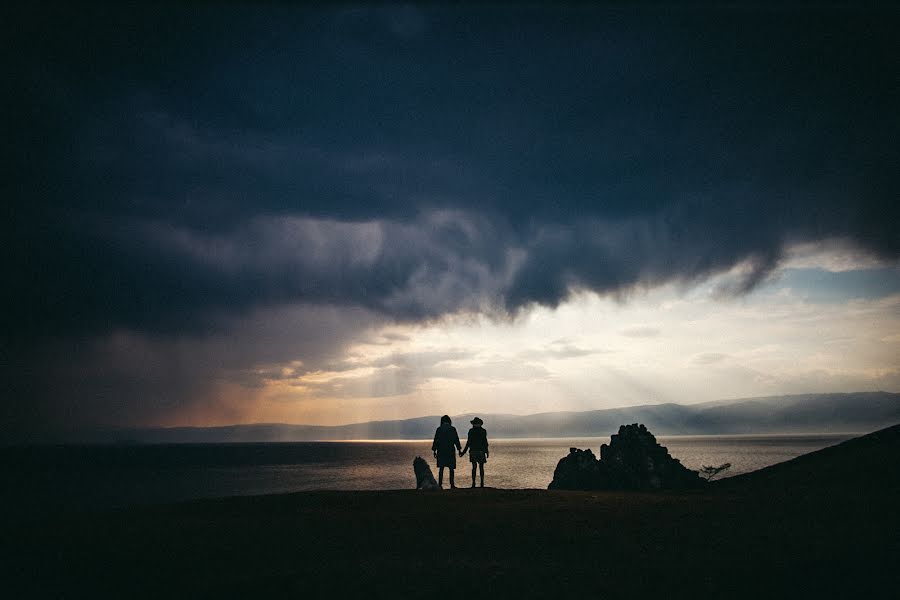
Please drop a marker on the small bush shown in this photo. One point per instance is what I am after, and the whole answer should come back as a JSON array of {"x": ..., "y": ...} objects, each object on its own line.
[{"x": 709, "y": 472}]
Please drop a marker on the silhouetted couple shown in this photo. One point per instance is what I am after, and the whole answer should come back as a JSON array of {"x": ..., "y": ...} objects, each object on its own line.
[{"x": 446, "y": 443}]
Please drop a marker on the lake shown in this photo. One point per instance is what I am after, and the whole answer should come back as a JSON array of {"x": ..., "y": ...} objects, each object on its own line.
[{"x": 77, "y": 477}]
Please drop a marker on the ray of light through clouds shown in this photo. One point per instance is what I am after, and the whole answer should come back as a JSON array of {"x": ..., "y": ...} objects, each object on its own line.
[
  {"x": 337, "y": 214},
  {"x": 666, "y": 344}
]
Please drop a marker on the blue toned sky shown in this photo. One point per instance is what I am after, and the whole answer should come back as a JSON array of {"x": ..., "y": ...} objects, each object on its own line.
[{"x": 344, "y": 213}]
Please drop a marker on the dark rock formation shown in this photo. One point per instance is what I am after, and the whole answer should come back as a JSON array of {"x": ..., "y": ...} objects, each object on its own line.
[{"x": 633, "y": 460}]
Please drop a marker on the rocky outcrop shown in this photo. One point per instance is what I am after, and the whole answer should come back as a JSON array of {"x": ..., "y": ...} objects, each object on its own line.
[{"x": 633, "y": 460}]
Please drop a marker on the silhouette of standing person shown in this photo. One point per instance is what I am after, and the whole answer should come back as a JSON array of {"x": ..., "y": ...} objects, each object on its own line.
[
  {"x": 477, "y": 445},
  {"x": 445, "y": 439}
]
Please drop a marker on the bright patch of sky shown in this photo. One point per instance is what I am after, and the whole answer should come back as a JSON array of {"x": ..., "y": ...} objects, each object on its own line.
[
  {"x": 819, "y": 324},
  {"x": 818, "y": 285}
]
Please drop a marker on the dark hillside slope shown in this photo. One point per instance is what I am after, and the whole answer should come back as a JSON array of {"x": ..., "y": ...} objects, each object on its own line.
[{"x": 868, "y": 464}]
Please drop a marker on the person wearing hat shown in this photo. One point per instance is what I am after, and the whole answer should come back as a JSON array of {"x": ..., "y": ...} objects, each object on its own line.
[
  {"x": 478, "y": 445},
  {"x": 445, "y": 439}
]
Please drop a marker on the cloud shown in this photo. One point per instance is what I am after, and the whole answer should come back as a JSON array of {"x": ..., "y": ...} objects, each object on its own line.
[
  {"x": 641, "y": 331},
  {"x": 560, "y": 349},
  {"x": 835, "y": 256},
  {"x": 129, "y": 378},
  {"x": 495, "y": 371},
  {"x": 382, "y": 383},
  {"x": 235, "y": 187},
  {"x": 403, "y": 373},
  {"x": 708, "y": 358},
  {"x": 397, "y": 165},
  {"x": 355, "y": 376},
  {"x": 394, "y": 337}
]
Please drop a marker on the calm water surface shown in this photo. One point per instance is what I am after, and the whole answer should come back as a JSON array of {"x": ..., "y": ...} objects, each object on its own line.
[{"x": 110, "y": 476}]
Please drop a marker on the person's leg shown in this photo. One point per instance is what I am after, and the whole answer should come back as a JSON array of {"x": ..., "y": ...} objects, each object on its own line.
[
  {"x": 474, "y": 466},
  {"x": 481, "y": 471},
  {"x": 452, "y": 471},
  {"x": 441, "y": 476}
]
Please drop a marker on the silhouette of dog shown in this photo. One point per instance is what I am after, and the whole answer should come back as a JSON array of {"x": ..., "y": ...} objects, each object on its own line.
[{"x": 424, "y": 477}]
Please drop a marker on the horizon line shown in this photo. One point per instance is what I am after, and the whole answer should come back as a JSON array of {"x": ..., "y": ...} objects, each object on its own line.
[{"x": 466, "y": 414}]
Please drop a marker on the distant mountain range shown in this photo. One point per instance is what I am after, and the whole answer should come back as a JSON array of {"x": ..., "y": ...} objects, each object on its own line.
[{"x": 806, "y": 413}]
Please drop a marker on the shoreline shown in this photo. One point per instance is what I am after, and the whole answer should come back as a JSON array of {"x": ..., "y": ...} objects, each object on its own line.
[
  {"x": 106, "y": 477},
  {"x": 140, "y": 444},
  {"x": 819, "y": 525}
]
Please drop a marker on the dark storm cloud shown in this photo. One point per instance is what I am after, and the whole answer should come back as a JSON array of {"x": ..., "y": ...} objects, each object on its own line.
[
  {"x": 177, "y": 169},
  {"x": 608, "y": 147},
  {"x": 128, "y": 378}
]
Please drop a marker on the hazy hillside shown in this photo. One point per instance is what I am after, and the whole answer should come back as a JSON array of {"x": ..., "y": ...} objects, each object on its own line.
[{"x": 808, "y": 413}]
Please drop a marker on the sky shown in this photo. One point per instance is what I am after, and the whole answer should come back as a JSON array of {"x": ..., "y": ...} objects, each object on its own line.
[{"x": 342, "y": 213}]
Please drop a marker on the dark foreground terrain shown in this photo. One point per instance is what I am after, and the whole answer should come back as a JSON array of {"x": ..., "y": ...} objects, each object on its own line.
[{"x": 824, "y": 525}]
